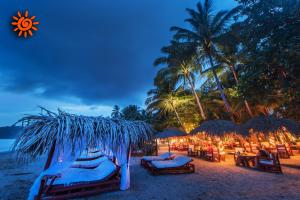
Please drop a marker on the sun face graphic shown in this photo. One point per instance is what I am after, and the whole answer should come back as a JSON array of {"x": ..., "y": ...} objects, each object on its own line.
[{"x": 24, "y": 24}]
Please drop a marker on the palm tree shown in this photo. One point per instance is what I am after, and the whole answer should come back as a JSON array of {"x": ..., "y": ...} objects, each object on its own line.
[
  {"x": 177, "y": 56},
  {"x": 188, "y": 76},
  {"x": 167, "y": 102},
  {"x": 206, "y": 28},
  {"x": 116, "y": 114},
  {"x": 228, "y": 46}
]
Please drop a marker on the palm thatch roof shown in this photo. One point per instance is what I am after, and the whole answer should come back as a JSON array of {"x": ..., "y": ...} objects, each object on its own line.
[
  {"x": 217, "y": 127},
  {"x": 170, "y": 132},
  {"x": 266, "y": 124},
  {"x": 78, "y": 132}
]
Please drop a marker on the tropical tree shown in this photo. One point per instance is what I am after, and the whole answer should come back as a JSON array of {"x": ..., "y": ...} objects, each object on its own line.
[
  {"x": 228, "y": 45},
  {"x": 181, "y": 67},
  {"x": 167, "y": 102},
  {"x": 132, "y": 112},
  {"x": 206, "y": 28},
  {"x": 116, "y": 114}
]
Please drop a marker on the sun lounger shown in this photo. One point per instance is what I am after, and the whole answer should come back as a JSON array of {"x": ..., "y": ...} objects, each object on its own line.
[
  {"x": 78, "y": 182},
  {"x": 179, "y": 165},
  {"x": 165, "y": 156}
]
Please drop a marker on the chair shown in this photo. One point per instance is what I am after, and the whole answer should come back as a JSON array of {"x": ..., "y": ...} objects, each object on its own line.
[
  {"x": 269, "y": 164},
  {"x": 212, "y": 154},
  {"x": 147, "y": 159},
  {"x": 282, "y": 151},
  {"x": 191, "y": 151},
  {"x": 76, "y": 182},
  {"x": 179, "y": 165},
  {"x": 247, "y": 147},
  {"x": 254, "y": 147}
]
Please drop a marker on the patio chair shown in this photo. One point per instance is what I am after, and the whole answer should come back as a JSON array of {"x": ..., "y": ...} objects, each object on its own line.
[
  {"x": 147, "y": 159},
  {"x": 76, "y": 182},
  {"x": 179, "y": 165},
  {"x": 269, "y": 164},
  {"x": 212, "y": 154},
  {"x": 282, "y": 151},
  {"x": 191, "y": 151}
]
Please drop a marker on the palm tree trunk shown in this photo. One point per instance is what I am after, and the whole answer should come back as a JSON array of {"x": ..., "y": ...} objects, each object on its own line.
[
  {"x": 197, "y": 98},
  {"x": 228, "y": 109},
  {"x": 245, "y": 100},
  {"x": 178, "y": 118}
]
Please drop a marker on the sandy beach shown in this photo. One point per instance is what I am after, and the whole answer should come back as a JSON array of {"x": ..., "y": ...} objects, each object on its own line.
[{"x": 211, "y": 181}]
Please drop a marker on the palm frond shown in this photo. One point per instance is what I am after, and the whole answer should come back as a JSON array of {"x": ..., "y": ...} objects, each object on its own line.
[{"x": 77, "y": 132}]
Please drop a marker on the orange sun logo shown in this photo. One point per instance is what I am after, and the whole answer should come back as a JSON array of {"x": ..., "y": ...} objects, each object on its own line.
[{"x": 24, "y": 24}]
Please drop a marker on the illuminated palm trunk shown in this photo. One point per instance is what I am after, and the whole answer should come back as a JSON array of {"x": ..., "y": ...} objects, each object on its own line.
[
  {"x": 197, "y": 98},
  {"x": 178, "y": 118}
]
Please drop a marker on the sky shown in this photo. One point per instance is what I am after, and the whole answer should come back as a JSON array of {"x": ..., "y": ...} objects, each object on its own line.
[{"x": 87, "y": 55}]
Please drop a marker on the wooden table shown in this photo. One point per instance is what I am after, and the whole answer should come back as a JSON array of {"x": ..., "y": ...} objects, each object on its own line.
[{"x": 245, "y": 159}]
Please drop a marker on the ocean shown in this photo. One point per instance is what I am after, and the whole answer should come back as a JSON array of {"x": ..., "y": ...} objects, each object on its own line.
[{"x": 6, "y": 144}]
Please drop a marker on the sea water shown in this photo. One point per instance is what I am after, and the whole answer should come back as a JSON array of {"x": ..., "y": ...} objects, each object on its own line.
[{"x": 6, "y": 144}]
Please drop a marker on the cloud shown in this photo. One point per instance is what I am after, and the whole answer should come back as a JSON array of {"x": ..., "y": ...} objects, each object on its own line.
[{"x": 100, "y": 52}]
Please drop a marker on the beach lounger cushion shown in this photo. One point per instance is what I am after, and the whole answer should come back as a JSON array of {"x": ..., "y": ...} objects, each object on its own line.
[
  {"x": 88, "y": 155},
  {"x": 266, "y": 162},
  {"x": 177, "y": 162},
  {"x": 163, "y": 156},
  {"x": 89, "y": 163},
  {"x": 78, "y": 175}
]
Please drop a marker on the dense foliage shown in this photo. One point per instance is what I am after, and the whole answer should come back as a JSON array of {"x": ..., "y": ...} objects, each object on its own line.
[{"x": 232, "y": 64}]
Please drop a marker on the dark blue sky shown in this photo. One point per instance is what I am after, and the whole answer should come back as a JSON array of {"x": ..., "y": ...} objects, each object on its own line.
[{"x": 86, "y": 56}]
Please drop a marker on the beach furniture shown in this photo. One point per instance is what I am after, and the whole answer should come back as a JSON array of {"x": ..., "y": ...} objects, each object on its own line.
[
  {"x": 269, "y": 164},
  {"x": 191, "y": 151},
  {"x": 179, "y": 165},
  {"x": 147, "y": 159},
  {"x": 89, "y": 164},
  {"x": 283, "y": 151},
  {"x": 211, "y": 154},
  {"x": 244, "y": 159},
  {"x": 85, "y": 156},
  {"x": 78, "y": 182}
]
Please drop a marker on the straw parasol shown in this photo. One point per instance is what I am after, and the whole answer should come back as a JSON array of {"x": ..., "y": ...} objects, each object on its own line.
[
  {"x": 267, "y": 124},
  {"x": 170, "y": 132},
  {"x": 217, "y": 127},
  {"x": 77, "y": 131}
]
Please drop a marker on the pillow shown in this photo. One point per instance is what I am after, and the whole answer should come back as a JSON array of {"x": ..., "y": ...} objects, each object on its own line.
[{"x": 89, "y": 164}]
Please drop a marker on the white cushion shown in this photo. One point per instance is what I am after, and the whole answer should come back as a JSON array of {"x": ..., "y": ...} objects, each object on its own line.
[
  {"x": 177, "y": 162},
  {"x": 87, "y": 155},
  {"x": 89, "y": 163},
  {"x": 163, "y": 156},
  {"x": 75, "y": 175},
  {"x": 266, "y": 162}
]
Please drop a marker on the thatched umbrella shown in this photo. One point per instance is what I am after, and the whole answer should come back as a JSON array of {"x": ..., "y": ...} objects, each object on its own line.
[
  {"x": 271, "y": 125},
  {"x": 170, "y": 132},
  {"x": 217, "y": 127},
  {"x": 41, "y": 131},
  {"x": 266, "y": 124}
]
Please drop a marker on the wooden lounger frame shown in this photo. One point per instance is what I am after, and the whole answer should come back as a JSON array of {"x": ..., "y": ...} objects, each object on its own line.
[
  {"x": 188, "y": 168},
  {"x": 48, "y": 191},
  {"x": 75, "y": 190},
  {"x": 146, "y": 163}
]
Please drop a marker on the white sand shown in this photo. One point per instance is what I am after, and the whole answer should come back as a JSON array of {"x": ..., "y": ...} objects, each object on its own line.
[{"x": 211, "y": 181}]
